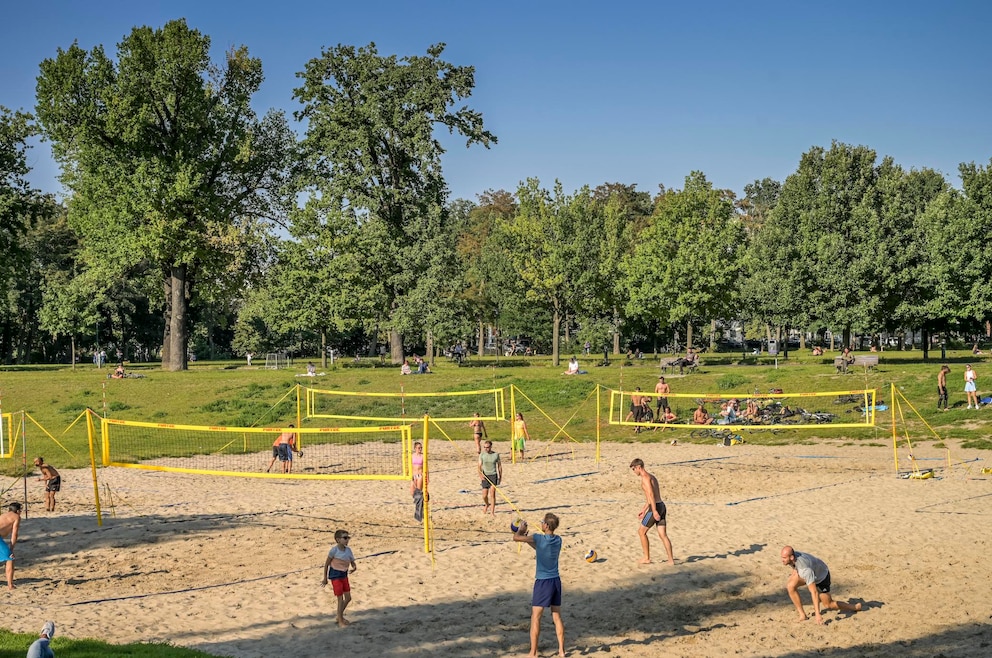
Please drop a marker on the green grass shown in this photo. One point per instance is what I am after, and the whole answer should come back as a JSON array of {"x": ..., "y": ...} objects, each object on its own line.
[
  {"x": 215, "y": 393},
  {"x": 15, "y": 645}
]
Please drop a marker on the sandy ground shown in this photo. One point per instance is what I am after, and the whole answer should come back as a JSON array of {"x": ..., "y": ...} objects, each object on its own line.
[{"x": 232, "y": 566}]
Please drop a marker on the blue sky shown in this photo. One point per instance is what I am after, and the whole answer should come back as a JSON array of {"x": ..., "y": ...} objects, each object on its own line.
[{"x": 584, "y": 92}]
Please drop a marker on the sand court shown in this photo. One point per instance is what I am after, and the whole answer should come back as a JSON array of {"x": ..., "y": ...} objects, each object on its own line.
[{"x": 232, "y": 566}]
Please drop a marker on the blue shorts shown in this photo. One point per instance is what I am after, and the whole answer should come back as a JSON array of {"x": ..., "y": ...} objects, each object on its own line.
[
  {"x": 547, "y": 593},
  {"x": 285, "y": 454},
  {"x": 648, "y": 519},
  {"x": 4, "y": 552}
]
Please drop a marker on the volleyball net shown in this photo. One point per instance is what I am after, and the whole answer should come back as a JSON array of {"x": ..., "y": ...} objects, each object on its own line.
[
  {"x": 840, "y": 409},
  {"x": 401, "y": 407},
  {"x": 11, "y": 425},
  {"x": 327, "y": 453}
]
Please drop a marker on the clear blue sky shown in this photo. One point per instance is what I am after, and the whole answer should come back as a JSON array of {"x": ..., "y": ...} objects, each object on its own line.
[{"x": 590, "y": 92}]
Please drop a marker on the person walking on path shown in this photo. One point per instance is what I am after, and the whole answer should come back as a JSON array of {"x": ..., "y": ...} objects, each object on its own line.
[
  {"x": 654, "y": 513},
  {"x": 547, "y": 581},
  {"x": 811, "y": 571}
]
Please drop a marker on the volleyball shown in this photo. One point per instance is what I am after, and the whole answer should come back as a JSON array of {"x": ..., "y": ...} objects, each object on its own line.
[
  {"x": 591, "y": 557},
  {"x": 515, "y": 525}
]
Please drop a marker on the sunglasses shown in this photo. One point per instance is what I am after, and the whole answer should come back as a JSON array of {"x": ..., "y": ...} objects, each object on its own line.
[{"x": 346, "y": 538}]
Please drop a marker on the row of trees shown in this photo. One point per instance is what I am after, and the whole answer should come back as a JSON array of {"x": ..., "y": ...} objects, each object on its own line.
[{"x": 189, "y": 215}]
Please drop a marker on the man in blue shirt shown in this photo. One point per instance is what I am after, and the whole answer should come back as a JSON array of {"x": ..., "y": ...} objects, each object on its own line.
[{"x": 547, "y": 583}]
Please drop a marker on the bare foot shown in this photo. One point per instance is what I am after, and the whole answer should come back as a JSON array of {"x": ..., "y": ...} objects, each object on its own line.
[
  {"x": 343, "y": 622},
  {"x": 11, "y": 587},
  {"x": 644, "y": 561},
  {"x": 857, "y": 606},
  {"x": 803, "y": 618}
]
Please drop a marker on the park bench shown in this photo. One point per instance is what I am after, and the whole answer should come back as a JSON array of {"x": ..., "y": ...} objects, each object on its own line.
[
  {"x": 671, "y": 365},
  {"x": 866, "y": 361}
]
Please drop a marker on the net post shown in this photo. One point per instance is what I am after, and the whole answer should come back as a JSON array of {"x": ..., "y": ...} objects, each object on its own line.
[
  {"x": 427, "y": 513},
  {"x": 299, "y": 417},
  {"x": 24, "y": 459},
  {"x": 513, "y": 424},
  {"x": 895, "y": 439},
  {"x": 599, "y": 419},
  {"x": 91, "y": 435}
]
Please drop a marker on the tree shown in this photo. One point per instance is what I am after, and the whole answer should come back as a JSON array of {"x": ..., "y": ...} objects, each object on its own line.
[
  {"x": 551, "y": 235},
  {"x": 686, "y": 263},
  {"x": 165, "y": 157},
  {"x": 371, "y": 151}
]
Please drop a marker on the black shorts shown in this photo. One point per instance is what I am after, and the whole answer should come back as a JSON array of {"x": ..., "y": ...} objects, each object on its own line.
[
  {"x": 490, "y": 481},
  {"x": 285, "y": 452},
  {"x": 648, "y": 519},
  {"x": 54, "y": 484},
  {"x": 824, "y": 585}
]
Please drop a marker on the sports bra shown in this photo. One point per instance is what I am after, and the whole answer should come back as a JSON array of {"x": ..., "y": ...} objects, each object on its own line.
[{"x": 418, "y": 459}]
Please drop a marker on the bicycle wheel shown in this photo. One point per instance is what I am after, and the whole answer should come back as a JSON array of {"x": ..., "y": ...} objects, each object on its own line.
[{"x": 701, "y": 434}]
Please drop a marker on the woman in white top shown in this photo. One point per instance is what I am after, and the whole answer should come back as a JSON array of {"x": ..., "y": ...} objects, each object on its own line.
[{"x": 969, "y": 386}]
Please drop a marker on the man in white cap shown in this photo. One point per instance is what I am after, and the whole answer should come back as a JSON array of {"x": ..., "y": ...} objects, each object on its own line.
[{"x": 39, "y": 648}]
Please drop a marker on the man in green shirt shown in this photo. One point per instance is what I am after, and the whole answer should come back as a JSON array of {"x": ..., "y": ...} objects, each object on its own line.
[{"x": 490, "y": 474}]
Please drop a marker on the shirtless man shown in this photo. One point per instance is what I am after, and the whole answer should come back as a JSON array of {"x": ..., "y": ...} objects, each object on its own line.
[
  {"x": 282, "y": 449},
  {"x": 942, "y": 387},
  {"x": 52, "y": 480},
  {"x": 653, "y": 513},
  {"x": 811, "y": 571},
  {"x": 635, "y": 405},
  {"x": 701, "y": 416},
  {"x": 662, "y": 389},
  {"x": 10, "y": 523},
  {"x": 478, "y": 431}
]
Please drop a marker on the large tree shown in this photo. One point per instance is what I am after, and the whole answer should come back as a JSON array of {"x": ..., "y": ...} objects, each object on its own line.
[
  {"x": 686, "y": 264},
  {"x": 371, "y": 150},
  {"x": 165, "y": 157}
]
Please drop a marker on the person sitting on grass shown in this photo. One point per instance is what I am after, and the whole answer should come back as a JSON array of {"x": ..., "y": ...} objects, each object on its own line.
[
  {"x": 405, "y": 368},
  {"x": 701, "y": 416},
  {"x": 119, "y": 371},
  {"x": 817, "y": 351}
]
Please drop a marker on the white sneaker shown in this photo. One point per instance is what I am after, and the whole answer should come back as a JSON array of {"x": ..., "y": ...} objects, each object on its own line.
[{"x": 969, "y": 406}]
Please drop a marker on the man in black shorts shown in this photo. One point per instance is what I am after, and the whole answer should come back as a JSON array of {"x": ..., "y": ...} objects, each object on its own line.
[
  {"x": 52, "y": 480},
  {"x": 811, "y": 571},
  {"x": 653, "y": 513}
]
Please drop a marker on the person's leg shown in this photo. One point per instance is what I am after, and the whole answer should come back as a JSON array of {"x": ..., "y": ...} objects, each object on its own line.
[
  {"x": 559, "y": 628},
  {"x": 792, "y": 586},
  {"x": 10, "y": 573},
  {"x": 535, "y": 628},
  {"x": 642, "y": 532},
  {"x": 828, "y": 602},
  {"x": 343, "y": 602},
  {"x": 663, "y": 534},
  {"x": 485, "y": 499}
]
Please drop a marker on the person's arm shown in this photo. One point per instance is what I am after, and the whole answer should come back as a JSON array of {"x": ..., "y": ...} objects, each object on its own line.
[
  {"x": 648, "y": 496},
  {"x": 482, "y": 476},
  {"x": 499, "y": 469},
  {"x": 351, "y": 555},
  {"x": 327, "y": 565},
  {"x": 526, "y": 433}
]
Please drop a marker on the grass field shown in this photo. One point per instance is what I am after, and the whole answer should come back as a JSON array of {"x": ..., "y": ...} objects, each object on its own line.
[
  {"x": 15, "y": 645},
  {"x": 224, "y": 393}
]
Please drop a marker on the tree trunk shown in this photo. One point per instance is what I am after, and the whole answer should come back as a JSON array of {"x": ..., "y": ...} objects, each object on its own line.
[
  {"x": 323, "y": 348},
  {"x": 429, "y": 357},
  {"x": 72, "y": 353},
  {"x": 554, "y": 341},
  {"x": 395, "y": 347},
  {"x": 482, "y": 340},
  {"x": 688, "y": 334},
  {"x": 925, "y": 338},
  {"x": 712, "y": 336},
  {"x": 167, "y": 316},
  {"x": 177, "y": 324}
]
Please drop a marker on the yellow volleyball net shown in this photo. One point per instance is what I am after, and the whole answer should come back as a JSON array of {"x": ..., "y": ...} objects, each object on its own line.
[
  {"x": 447, "y": 406},
  {"x": 11, "y": 428},
  {"x": 739, "y": 411},
  {"x": 326, "y": 453}
]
